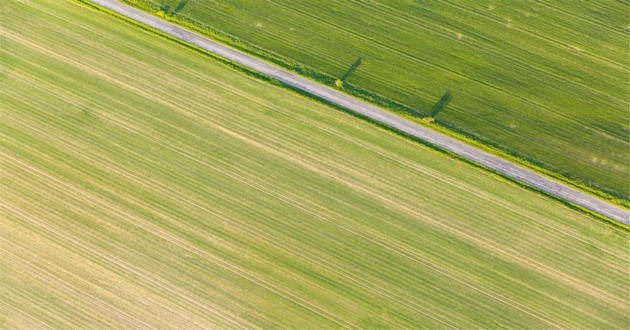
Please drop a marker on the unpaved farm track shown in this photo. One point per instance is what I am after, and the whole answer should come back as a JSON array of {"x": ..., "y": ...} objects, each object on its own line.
[{"x": 476, "y": 155}]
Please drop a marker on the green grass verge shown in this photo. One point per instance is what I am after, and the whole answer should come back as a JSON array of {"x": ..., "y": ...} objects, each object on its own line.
[
  {"x": 145, "y": 186},
  {"x": 535, "y": 107}
]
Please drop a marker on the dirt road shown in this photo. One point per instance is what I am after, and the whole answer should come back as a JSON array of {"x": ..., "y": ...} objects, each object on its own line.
[{"x": 514, "y": 171}]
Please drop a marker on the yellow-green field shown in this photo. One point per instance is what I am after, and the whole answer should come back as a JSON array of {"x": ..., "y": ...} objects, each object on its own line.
[{"x": 144, "y": 185}]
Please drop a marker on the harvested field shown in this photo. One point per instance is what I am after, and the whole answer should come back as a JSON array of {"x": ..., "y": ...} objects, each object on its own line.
[{"x": 145, "y": 185}]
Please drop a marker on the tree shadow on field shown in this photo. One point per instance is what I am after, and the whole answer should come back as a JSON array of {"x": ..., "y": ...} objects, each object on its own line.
[
  {"x": 179, "y": 7},
  {"x": 441, "y": 104},
  {"x": 352, "y": 68}
]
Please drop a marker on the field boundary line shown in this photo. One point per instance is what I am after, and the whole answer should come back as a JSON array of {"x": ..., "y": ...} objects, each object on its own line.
[
  {"x": 387, "y": 119},
  {"x": 402, "y": 109}
]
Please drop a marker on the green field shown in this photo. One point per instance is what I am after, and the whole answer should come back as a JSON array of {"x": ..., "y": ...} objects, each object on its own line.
[
  {"x": 144, "y": 185},
  {"x": 545, "y": 81}
]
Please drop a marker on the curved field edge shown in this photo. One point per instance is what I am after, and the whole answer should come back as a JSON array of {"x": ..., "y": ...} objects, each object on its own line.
[
  {"x": 617, "y": 201},
  {"x": 391, "y": 105}
]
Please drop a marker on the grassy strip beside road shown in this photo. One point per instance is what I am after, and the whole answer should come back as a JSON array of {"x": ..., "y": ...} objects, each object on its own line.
[
  {"x": 145, "y": 186},
  {"x": 365, "y": 109}
]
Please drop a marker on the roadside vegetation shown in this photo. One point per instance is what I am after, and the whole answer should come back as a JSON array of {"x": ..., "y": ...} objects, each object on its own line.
[
  {"x": 144, "y": 185},
  {"x": 540, "y": 83}
]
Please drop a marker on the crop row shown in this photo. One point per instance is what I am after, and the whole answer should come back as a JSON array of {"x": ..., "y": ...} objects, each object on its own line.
[{"x": 144, "y": 185}]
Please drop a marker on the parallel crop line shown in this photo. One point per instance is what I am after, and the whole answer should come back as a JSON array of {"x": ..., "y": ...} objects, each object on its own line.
[
  {"x": 167, "y": 103},
  {"x": 121, "y": 214},
  {"x": 171, "y": 105},
  {"x": 284, "y": 198},
  {"x": 49, "y": 278},
  {"x": 543, "y": 37}
]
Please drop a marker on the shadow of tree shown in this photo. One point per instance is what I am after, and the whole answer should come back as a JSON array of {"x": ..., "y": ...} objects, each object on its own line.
[
  {"x": 353, "y": 67},
  {"x": 179, "y": 7},
  {"x": 441, "y": 104}
]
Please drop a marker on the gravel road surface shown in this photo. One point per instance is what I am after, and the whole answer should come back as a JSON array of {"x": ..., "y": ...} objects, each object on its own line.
[{"x": 512, "y": 170}]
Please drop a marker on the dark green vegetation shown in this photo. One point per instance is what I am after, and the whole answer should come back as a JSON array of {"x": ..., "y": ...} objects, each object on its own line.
[
  {"x": 146, "y": 186},
  {"x": 172, "y": 12},
  {"x": 352, "y": 68},
  {"x": 544, "y": 81},
  {"x": 441, "y": 104}
]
